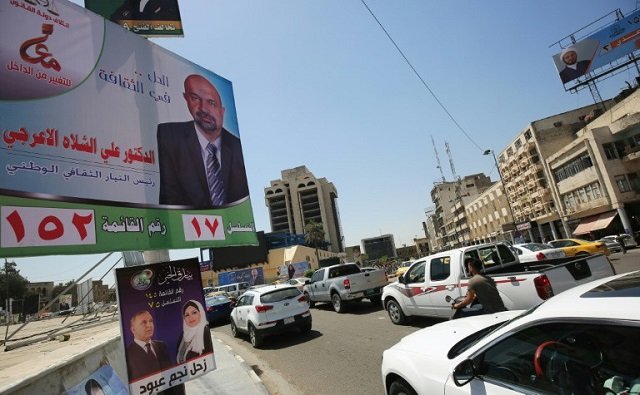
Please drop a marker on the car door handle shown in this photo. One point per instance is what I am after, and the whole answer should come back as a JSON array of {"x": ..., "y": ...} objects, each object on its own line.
[{"x": 450, "y": 287}]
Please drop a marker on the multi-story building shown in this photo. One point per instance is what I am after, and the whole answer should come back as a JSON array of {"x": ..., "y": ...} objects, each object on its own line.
[
  {"x": 596, "y": 177},
  {"x": 377, "y": 247},
  {"x": 527, "y": 178},
  {"x": 449, "y": 219},
  {"x": 489, "y": 216},
  {"x": 299, "y": 198}
]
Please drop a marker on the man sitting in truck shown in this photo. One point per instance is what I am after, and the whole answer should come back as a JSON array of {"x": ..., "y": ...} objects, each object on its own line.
[{"x": 484, "y": 288}]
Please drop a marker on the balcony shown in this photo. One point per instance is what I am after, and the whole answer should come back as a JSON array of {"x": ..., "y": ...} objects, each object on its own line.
[{"x": 625, "y": 123}]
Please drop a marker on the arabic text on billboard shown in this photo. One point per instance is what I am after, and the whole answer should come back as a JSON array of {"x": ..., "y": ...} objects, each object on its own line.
[
  {"x": 110, "y": 142},
  {"x": 599, "y": 49},
  {"x": 148, "y": 18}
]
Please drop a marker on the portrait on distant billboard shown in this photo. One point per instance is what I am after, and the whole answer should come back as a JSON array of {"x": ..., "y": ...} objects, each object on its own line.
[
  {"x": 145, "y": 17},
  {"x": 201, "y": 163},
  {"x": 575, "y": 61}
]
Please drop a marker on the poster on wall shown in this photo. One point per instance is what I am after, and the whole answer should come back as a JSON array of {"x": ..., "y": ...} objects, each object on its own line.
[
  {"x": 163, "y": 323},
  {"x": 150, "y": 18},
  {"x": 252, "y": 276},
  {"x": 110, "y": 142},
  {"x": 103, "y": 381}
]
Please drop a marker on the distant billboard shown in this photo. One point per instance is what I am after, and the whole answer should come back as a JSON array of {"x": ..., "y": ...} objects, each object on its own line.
[
  {"x": 111, "y": 143},
  {"x": 599, "y": 49},
  {"x": 148, "y": 18}
]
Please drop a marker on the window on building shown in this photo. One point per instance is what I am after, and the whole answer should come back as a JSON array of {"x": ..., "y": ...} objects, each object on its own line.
[
  {"x": 634, "y": 181},
  {"x": 623, "y": 183},
  {"x": 509, "y": 151},
  {"x": 518, "y": 143},
  {"x": 609, "y": 151},
  {"x": 527, "y": 135}
]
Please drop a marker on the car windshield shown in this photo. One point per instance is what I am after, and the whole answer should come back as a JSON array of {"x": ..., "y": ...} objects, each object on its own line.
[
  {"x": 280, "y": 295},
  {"x": 475, "y": 337}
]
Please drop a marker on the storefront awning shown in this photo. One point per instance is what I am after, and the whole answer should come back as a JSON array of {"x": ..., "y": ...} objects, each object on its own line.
[{"x": 595, "y": 222}]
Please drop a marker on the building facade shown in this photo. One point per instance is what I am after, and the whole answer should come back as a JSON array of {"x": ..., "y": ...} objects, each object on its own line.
[
  {"x": 596, "y": 177},
  {"x": 377, "y": 247},
  {"x": 489, "y": 216},
  {"x": 299, "y": 198},
  {"x": 527, "y": 178}
]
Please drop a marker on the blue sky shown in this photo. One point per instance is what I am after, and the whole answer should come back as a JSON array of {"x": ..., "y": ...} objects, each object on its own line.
[{"x": 318, "y": 83}]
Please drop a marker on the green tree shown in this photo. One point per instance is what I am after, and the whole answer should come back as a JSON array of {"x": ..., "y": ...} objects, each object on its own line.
[
  {"x": 11, "y": 279},
  {"x": 314, "y": 236}
]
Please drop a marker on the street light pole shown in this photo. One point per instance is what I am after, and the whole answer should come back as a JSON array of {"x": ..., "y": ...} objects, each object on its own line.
[{"x": 513, "y": 219}]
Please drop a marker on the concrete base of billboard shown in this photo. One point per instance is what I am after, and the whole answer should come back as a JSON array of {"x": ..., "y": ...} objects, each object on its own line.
[{"x": 53, "y": 366}]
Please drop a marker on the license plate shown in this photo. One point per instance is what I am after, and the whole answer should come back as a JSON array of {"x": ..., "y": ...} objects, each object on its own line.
[{"x": 289, "y": 320}]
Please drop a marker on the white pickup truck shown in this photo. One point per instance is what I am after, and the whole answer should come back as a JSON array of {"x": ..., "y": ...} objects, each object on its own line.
[
  {"x": 424, "y": 290},
  {"x": 344, "y": 283}
]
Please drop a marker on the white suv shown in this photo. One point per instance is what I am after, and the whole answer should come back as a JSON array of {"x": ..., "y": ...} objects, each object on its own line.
[{"x": 270, "y": 309}]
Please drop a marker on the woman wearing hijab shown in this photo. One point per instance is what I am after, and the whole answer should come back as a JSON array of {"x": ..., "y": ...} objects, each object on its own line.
[{"x": 196, "y": 337}]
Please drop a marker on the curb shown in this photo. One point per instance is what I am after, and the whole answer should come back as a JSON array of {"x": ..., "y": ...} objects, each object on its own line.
[{"x": 254, "y": 376}]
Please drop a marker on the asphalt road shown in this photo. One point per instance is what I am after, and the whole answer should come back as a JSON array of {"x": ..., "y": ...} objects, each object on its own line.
[{"x": 343, "y": 352}]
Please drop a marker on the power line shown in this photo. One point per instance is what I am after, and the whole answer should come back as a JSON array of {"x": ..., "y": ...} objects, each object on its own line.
[{"x": 421, "y": 79}]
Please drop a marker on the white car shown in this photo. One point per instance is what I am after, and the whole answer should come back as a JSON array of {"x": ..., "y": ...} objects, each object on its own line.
[
  {"x": 533, "y": 252},
  {"x": 581, "y": 341},
  {"x": 268, "y": 310}
]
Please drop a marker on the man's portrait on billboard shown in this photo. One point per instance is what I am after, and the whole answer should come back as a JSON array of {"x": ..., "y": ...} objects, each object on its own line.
[
  {"x": 575, "y": 60},
  {"x": 201, "y": 163}
]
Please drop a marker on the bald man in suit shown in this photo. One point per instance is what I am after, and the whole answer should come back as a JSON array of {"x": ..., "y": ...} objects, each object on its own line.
[{"x": 201, "y": 163}]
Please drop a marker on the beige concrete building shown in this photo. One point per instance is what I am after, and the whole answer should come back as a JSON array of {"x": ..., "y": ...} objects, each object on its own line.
[
  {"x": 298, "y": 198},
  {"x": 489, "y": 217},
  {"x": 597, "y": 175},
  {"x": 449, "y": 218},
  {"x": 527, "y": 178}
]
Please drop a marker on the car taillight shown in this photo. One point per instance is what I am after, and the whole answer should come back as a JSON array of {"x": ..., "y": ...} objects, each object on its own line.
[
  {"x": 540, "y": 256},
  {"x": 261, "y": 308},
  {"x": 543, "y": 287},
  {"x": 347, "y": 283},
  {"x": 302, "y": 299}
]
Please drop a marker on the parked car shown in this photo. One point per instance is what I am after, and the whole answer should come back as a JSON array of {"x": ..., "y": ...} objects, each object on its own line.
[
  {"x": 580, "y": 247},
  {"x": 582, "y": 341},
  {"x": 218, "y": 308},
  {"x": 532, "y": 252},
  {"x": 612, "y": 244},
  {"x": 298, "y": 282},
  {"x": 235, "y": 289},
  {"x": 268, "y": 310},
  {"x": 402, "y": 269},
  {"x": 629, "y": 242}
]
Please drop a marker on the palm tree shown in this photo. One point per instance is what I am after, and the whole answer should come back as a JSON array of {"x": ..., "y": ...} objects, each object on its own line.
[{"x": 314, "y": 236}]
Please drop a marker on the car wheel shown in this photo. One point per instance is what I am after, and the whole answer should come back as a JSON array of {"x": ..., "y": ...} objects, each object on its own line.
[
  {"x": 311, "y": 303},
  {"x": 234, "y": 329},
  {"x": 395, "y": 312},
  {"x": 338, "y": 305},
  {"x": 401, "y": 387},
  {"x": 255, "y": 337}
]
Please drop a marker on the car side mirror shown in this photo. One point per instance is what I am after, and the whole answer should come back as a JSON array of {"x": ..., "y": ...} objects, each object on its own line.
[
  {"x": 463, "y": 373},
  {"x": 401, "y": 279},
  {"x": 307, "y": 282}
]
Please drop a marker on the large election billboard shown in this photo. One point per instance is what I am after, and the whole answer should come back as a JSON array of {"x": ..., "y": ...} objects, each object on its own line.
[
  {"x": 110, "y": 142},
  {"x": 605, "y": 46}
]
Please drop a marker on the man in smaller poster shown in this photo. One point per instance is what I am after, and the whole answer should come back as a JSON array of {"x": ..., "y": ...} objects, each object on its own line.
[{"x": 145, "y": 355}]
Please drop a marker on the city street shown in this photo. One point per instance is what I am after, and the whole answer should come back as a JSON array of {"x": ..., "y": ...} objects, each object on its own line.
[{"x": 343, "y": 350}]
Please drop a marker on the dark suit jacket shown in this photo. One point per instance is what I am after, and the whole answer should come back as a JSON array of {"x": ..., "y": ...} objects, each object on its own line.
[
  {"x": 140, "y": 364},
  {"x": 568, "y": 74},
  {"x": 183, "y": 180}
]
